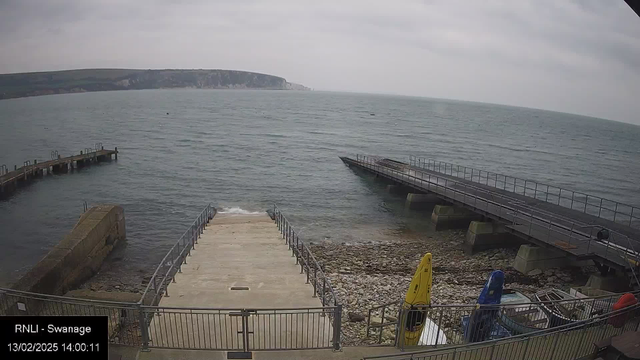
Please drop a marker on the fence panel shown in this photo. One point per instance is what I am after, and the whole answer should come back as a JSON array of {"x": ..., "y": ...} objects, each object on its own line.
[
  {"x": 569, "y": 341},
  {"x": 124, "y": 325},
  {"x": 241, "y": 329}
]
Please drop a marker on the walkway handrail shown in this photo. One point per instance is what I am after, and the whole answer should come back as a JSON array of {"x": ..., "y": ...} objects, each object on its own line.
[
  {"x": 578, "y": 308},
  {"x": 629, "y": 315},
  {"x": 175, "y": 257},
  {"x": 615, "y": 296},
  {"x": 512, "y": 214},
  {"x": 492, "y": 179},
  {"x": 540, "y": 191},
  {"x": 315, "y": 272}
]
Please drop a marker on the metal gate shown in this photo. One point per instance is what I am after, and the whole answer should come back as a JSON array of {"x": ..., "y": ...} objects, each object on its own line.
[{"x": 242, "y": 330}]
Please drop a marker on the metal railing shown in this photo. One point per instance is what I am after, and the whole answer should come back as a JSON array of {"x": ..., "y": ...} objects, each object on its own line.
[
  {"x": 563, "y": 342},
  {"x": 590, "y": 204},
  {"x": 133, "y": 324},
  {"x": 314, "y": 271},
  {"x": 124, "y": 318},
  {"x": 175, "y": 257},
  {"x": 456, "y": 324},
  {"x": 308, "y": 263},
  {"x": 563, "y": 233},
  {"x": 242, "y": 330}
]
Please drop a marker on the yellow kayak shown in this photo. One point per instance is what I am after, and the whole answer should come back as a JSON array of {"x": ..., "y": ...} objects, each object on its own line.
[{"x": 419, "y": 293}]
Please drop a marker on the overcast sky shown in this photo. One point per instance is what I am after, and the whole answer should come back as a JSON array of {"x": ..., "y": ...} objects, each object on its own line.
[{"x": 579, "y": 56}]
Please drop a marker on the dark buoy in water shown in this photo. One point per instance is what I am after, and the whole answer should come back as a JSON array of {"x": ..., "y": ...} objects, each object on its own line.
[{"x": 167, "y": 113}]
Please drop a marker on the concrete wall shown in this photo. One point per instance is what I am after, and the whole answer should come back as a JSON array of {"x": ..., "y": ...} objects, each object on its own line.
[{"x": 79, "y": 255}]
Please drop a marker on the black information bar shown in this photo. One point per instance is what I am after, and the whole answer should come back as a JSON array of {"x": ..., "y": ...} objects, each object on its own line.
[{"x": 54, "y": 337}]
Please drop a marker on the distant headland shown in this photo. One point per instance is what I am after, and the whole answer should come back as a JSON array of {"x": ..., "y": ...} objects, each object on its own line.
[{"x": 85, "y": 80}]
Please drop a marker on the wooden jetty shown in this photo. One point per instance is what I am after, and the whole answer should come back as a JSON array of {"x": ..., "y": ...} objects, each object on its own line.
[{"x": 11, "y": 180}]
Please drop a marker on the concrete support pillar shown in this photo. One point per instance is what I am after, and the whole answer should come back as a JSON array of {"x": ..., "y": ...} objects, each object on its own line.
[
  {"x": 446, "y": 217},
  {"x": 421, "y": 201},
  {"x": 531, "y": 257},
  {"x": 487, "y": 235},
  {"x": 613, "y": 283}
]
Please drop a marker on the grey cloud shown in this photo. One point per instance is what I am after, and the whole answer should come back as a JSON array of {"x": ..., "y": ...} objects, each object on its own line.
[{"x": 527, "y": 52}]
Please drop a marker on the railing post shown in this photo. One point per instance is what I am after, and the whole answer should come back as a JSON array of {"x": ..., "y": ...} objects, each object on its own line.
[
  {"x": 572, "y": 195},
  {"x": 546, "y": 198},
  {"x": 439, "y": 324},
  {"x": 324, "y": 287},
  {"x": 315, "y": 280},
  {"x": 292, "y": 245},
  {"x": 143, "y": 329},
  {"x": 402, "y": 322},
  {"x": 179, "y": 266},
  {"x": 302, "y": 260},
  {"x": 586, "y": 201},
  {"x": 600, "y": 208},
  {"x": 615, "y": 212},
  {"x": 337, "y": 327},
  {"x": 307, "y": 265}
]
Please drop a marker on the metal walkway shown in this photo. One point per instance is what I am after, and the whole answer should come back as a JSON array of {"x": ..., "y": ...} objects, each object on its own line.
[{"x": 525, "y": 213}]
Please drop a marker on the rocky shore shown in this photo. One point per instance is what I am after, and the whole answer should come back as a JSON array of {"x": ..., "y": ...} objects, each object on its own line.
[{"x": 368, "y": 274}]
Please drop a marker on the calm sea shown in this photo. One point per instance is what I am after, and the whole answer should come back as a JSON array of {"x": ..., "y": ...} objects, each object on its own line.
[{"x": 245, "y": 150}]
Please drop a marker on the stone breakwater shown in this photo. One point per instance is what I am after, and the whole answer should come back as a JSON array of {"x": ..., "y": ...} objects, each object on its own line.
[{"x": 368, "y": 274}]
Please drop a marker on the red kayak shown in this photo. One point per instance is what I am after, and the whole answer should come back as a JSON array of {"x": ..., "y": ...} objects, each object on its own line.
[{"x": 625, "y": 300}]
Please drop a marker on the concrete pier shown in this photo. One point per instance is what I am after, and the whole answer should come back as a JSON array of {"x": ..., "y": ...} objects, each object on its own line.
[
  {"x": 613, "y": 283},
  {"x": 10, "y": 180},
  {"x": 531, "y": 257},
  {"x": 242, "y": 277},
  {"x": 421, "y": 201},
  {"x": 241, "y": 251},
  {"x": 540, "y": 214},
  {"x": 452, "y": 217},
  {"x": 79, "y": 254},
  {"x": 487, "y": 235}
]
